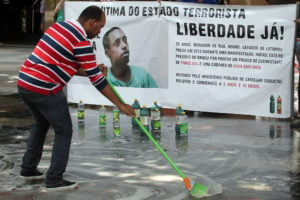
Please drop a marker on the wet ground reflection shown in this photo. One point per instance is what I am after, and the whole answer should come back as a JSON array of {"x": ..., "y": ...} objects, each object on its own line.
[{"x": 251, "y": 159}]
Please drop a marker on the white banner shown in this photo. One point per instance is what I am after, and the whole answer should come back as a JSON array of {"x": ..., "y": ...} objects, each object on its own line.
[{"x": 210, "y": 58}]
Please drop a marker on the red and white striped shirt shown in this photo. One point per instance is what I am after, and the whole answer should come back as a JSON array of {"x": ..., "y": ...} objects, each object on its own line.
[{"x": 62, "y": 50}]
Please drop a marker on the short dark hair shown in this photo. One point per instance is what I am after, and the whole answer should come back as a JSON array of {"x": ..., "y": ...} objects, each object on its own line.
[
  {"x": 91, "y": 12},
  {"x": 105, "y": 40}
]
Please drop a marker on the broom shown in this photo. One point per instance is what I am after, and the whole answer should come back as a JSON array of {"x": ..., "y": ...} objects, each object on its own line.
[{"x": 195, "y": 189}]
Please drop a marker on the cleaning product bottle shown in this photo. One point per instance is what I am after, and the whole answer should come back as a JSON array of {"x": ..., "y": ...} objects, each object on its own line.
[
  {"x": 272, "y": 104},
  {"x": 183, "y": 124},
  {"x": 144, "y": 115},
  {"x": 178, "y": 113},
  {"x": 279, "y": 106},
  {"x": 116, "y": 121},
  {"x": 116, "y": 113},
  {"x": 155, "y": 118},
  {"x": 80, "y": 112},
  {"x": 102, "y": 117},
  {"x": 116, "y": 126},
  {"x": 136, "y": 106}
]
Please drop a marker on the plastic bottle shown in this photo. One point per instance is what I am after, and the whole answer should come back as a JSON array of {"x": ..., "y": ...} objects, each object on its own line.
[
  {"x": 183, "y": 124},
  {"x": 80, "y": 113},
  {"x": 144, "y": 115},
  {"x": 136, "y": 106},
  {"x": 116, "y": 113},
  {"x": 272, "y": 104},
  {"x": 116, "y": 121},
  {"x": 116, "y": 125},
  {"x": 102, "y": 117},
  {"x": 155, "y": 118},
  {"x": 178, "y": 113},
  {"x": 279, "y": 106}
]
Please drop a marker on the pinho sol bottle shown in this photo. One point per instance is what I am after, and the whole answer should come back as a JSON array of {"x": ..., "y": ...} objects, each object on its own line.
[
  {"x": 178, "y": 113},
  {"x": 80, "y": 112},
  {"x": 102, "y": 117},
  {"x": 272, "y": 104},
  {"x": 155, "y": 118},
  {"x": 279, "y": 104},
  {"x": 116, "y": 121},
  {"x": 116, "y": 126},
  {"x": 183, "y": 124},
  {"x": 144, "y": 117},
  {"x": 136, "y": 106},
  {"x": 116, "y": 113}
]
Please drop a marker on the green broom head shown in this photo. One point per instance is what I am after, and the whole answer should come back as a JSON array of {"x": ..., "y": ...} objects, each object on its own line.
[{"x": 195, "y": 189}]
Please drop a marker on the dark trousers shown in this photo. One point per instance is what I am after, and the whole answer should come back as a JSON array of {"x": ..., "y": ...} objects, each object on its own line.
[{"x": 48, "y": 110}]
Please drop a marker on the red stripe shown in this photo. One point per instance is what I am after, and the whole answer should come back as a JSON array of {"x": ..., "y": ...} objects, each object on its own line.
[
  {"x": 77, "y": 28},
  {"x": 67, "y": 41},
  {"x": 65, "y": 33},
  {"x": 38, "y": 90}
]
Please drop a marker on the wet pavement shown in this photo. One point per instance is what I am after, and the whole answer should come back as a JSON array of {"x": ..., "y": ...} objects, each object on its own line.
[{"x": 251, "y": 158}]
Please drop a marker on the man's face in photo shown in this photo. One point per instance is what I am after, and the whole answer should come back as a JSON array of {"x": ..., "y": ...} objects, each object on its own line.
[{"x": 118, "y": 50}]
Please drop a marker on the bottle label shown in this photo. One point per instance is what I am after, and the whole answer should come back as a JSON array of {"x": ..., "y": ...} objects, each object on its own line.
[
  {"x": 137, "y": 112},
  {"x": 156, "y": 124},
  {"x": 80, "y": 114},
  {"x": 184, "y": 128},
  {"x": 116, "y": 114},
  {"x": 145, "y": 120},
  {"x": 155, "y": 115},
  {"x": 177, "y": 119},
  {"x": 102, "y": 120}
]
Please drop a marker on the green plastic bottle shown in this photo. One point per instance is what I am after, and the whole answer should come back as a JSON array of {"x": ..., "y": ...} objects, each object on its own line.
[
  {"x": 116, "y": 113},
  {"x": 178, "y": 113},
  {"x": 155, "y": 118},
  {"x": 272, "y": 104},
  {"x": 136, "y": 106},
  {"x": 116, "y": 125},
  {"x": 80, "y": 113},
  {"x": 102, "y": 117},
  {"x": 144, "y": 117},
  {"x": 183, "y": 124},
  {"x": 116, "y": 121}
]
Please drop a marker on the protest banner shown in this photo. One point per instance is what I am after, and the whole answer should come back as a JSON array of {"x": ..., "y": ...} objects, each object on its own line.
[{"x": 210, "y": 58}]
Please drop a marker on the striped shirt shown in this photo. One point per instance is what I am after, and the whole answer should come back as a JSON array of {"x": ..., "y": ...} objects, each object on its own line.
[{"x": 62, "y": 50}]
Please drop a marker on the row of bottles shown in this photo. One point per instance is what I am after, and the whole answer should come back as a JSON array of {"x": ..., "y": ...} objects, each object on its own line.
[
  {"x": 181, "y": 126},
  {"x": 102, "y": 117},
  {"x": 150, "y": 118},
  {"x": 278, "y": 104},
  {"x": 116, "y": 119},
  {"x": 144, "y": 115}
]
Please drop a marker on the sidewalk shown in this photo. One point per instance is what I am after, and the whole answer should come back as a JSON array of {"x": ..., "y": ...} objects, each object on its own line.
[{"x": 13, "y": 113}]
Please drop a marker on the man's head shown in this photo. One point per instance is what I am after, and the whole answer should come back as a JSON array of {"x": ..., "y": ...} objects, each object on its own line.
[
  {"x": 92, "y": 19},
  {"x": 116, "y": 46}
]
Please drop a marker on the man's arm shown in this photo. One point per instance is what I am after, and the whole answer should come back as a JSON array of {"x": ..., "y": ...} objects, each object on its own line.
[{"x": 102, "y": 67}]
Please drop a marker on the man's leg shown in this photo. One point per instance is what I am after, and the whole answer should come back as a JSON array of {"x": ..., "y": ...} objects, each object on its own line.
[
  {"x": 56, "y": 110},
  {"x": 36, "y": 137}
]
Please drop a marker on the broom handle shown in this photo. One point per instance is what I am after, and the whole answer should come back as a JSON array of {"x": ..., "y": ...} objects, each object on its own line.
[{"x": 163, "y": 153}]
